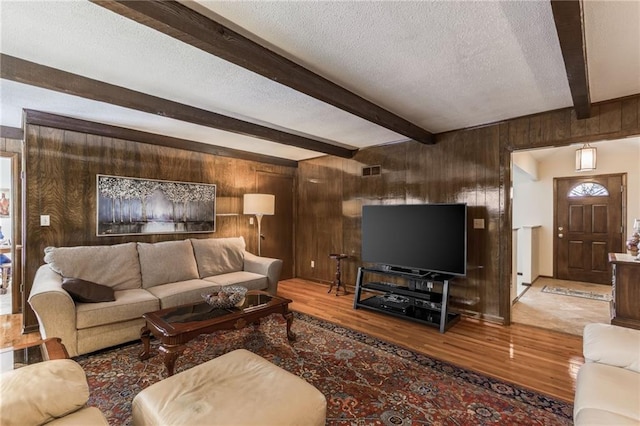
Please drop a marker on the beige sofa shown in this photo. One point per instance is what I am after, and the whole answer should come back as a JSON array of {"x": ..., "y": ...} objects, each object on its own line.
[
  {"x": 145, "y": 277},
  {"x": 52, "y": 392},
  {"x": 608, "y": 384}
]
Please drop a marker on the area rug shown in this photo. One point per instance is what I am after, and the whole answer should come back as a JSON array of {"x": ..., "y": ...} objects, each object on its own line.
[
  {"x": 366, "y": 381},
  {"x": 577, "y": 293}
]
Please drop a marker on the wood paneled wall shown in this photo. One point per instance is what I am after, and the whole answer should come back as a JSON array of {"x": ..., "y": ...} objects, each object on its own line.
[
  {"x": 472, "y": 166},
  {"x": 61, "y": 168}
]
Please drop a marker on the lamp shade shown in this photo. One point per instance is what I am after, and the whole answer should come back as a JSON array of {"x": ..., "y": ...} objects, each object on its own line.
[
  {"x": 585, "y": 159},
  {"x": 259, "y": 204}
]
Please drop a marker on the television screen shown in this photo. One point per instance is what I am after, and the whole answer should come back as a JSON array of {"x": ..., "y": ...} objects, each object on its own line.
[{"x": 424, "y": 237}]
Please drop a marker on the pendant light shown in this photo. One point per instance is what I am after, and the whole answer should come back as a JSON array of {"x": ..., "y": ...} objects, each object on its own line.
[{"x": 585, "y": 158}]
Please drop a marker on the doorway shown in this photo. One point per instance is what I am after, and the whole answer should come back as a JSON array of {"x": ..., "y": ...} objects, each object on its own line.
[
  {"x": 278, "y": 229},
  {"x": 533, "y": 206},
  {"x": 589, "y": 225},
  {"x": 9, "y": 290}
]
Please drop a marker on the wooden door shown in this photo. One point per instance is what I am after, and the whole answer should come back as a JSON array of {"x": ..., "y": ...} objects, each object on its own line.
[
  {"x": 278, "y": 229},
  {"x": 588, "y": 226}
]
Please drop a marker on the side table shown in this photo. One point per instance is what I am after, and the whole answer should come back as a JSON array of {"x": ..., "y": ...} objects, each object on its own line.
[{"x": 338, "y": 257}]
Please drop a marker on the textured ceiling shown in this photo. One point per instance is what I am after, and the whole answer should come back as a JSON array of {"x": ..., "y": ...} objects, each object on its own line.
[{"x": 442, "y": 65}]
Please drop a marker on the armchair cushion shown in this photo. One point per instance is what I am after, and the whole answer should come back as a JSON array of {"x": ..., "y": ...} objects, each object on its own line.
[
  {"x": 41, "y": 392},
  {"x": 86, "y": 291},
  {"x": 612, "y": 345}
]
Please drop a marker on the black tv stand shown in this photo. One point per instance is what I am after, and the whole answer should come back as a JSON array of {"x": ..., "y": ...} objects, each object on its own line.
[
  {"x": 404, "y": 271},
  {"x": 422, "y": 297}
]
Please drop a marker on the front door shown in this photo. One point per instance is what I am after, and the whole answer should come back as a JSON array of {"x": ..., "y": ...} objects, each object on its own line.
[{"x": 588, "y": 226}]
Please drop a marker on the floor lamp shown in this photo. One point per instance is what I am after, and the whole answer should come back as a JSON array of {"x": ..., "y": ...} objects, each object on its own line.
[{"x": 260, "y": 205}]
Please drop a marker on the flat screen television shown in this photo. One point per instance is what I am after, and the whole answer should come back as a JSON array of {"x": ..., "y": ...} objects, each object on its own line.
[{"x": 420, "y": 238}]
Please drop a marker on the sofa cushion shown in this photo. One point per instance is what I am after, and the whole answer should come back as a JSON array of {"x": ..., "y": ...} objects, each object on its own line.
[
  {"x": 217, "y": 256},
  {"x": 115, "y": 266},
  {"x": 182, "y": 292},
  {"x": 86, "y": 291},
  {"x": 27, "y": 392},
  {"x": 129, "y": 304},
  {"x": 166, "y": 262},
  {"x": 249, "y": 280}
]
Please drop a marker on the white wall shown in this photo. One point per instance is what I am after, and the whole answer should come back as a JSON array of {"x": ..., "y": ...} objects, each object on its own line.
[
  {"x": 533, "y": 200},
  {"x": 5, "y": 183}
]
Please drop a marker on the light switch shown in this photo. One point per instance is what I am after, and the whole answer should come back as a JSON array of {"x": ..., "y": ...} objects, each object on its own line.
[
  {"x": 45, "y": 220},
  {"x": 251, "y": 220},
  {"x": 478, "y": 223}
]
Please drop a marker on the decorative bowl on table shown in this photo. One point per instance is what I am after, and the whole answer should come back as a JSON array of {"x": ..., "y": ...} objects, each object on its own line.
[{"x": 225, "y": 296}]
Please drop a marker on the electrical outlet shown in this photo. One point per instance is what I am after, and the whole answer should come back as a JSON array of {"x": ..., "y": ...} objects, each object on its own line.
[
  {"x": 45, "y": 220},
  {"x": 313, "y": 264}
]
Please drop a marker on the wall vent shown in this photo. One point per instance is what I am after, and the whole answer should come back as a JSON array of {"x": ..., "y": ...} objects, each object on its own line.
[{"x": 371, "y": 170}]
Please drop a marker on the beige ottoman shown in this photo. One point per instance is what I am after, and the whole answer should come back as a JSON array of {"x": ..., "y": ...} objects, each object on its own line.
[{"x": 238, "y": 388}]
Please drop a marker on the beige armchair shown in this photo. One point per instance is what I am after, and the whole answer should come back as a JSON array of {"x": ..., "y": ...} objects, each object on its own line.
[{"x": 52, "y": 392}]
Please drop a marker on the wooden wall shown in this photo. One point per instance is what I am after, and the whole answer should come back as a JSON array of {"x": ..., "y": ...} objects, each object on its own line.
[
  {"x": 472, "y": 166},
  {"x": 61, "y": 168}
]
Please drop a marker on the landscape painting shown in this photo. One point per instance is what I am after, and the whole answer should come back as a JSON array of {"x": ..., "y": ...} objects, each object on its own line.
[{"x": 133, "y": 206}]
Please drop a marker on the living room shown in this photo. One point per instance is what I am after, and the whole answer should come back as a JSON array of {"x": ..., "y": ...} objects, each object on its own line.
[{"x": 318, "y": 197}]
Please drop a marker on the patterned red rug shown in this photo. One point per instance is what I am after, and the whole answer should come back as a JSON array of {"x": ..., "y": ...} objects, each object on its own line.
[{"x": 366, "y": 381}]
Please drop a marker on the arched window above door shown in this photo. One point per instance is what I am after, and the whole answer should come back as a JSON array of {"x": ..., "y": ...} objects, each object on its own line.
[{"x": 588, "y": 189}]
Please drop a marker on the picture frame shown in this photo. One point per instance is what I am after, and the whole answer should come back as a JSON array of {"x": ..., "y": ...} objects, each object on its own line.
[{"x": 136, "y": 206}]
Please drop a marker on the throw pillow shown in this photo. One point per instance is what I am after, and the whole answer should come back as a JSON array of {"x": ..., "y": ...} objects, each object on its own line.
[{"x": 87, "y": 292}]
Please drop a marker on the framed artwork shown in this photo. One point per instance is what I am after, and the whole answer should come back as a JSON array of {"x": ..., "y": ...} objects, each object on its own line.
[
  {"x": 133, "y": 206},
  {"x": 5, "y": 202}
]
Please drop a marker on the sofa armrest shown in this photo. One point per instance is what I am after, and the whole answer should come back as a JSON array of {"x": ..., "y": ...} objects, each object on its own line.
[
  {"x": 264, "y": 266},
  {"x": 612, "y": 345},
  {"x": 54, "y": 308},
  {"x": 38, "y": 393}
]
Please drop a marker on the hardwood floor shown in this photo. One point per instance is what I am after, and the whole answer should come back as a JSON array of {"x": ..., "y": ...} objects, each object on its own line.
[{"x": 538, "y": 359}]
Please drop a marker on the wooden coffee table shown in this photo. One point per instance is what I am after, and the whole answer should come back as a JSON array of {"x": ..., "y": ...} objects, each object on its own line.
[{"x": 176, "y": 326}]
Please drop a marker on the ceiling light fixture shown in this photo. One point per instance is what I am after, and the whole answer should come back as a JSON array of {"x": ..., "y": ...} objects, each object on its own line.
[{"x": 585, "y": 158}]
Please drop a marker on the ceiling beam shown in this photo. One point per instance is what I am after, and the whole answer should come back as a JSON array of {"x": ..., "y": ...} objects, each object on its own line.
[
  {"x": 188, "y": 26},
  {"x": 56, "y": 121},
  {"x": 11, "y": 132},
  {"x": 22, "y": 71},
  {"x": 567, "y": 15}
]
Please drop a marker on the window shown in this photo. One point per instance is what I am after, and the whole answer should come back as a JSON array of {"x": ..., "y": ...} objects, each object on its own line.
[{"x": 588, "y": 189}]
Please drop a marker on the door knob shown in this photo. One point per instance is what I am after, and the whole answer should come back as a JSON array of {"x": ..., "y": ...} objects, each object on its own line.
[{"x": 560, "y": 235}]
